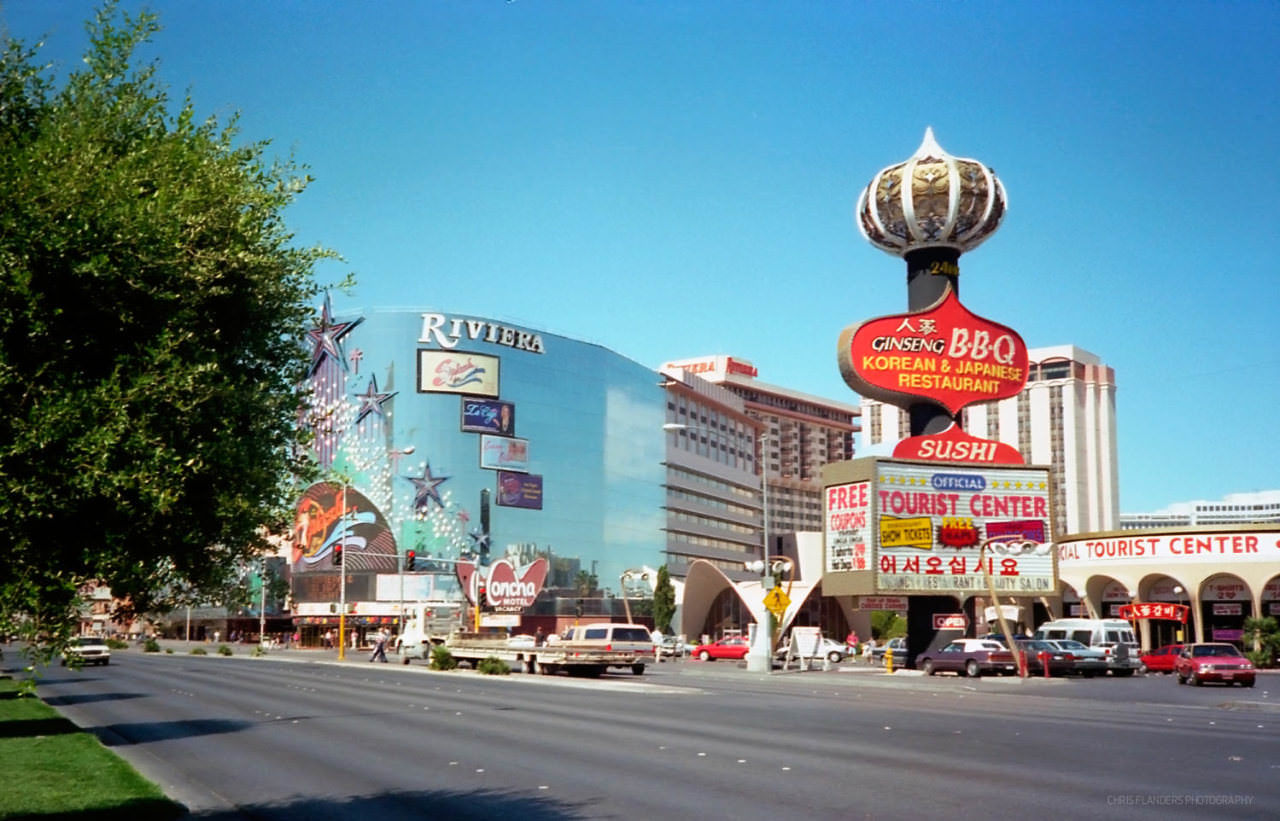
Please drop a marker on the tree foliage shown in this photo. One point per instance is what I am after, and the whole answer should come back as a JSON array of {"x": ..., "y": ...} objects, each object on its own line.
[
  {"x": 664, "y": 601},
  {"x": 152, "y": 308}
]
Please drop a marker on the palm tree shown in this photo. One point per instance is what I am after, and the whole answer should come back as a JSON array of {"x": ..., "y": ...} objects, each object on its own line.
[
  {"x": 1264, "y": 633},
  {"x": 584, "y": 583}
]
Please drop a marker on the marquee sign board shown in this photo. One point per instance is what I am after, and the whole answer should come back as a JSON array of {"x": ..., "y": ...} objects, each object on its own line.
[{"x": 903, "y": 527}]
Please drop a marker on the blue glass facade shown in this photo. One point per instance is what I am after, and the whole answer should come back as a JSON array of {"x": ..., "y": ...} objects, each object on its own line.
[{"x": 565, "y": 436}]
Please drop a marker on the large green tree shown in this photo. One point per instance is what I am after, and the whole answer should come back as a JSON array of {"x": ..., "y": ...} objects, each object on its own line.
[
  {"x": 664, "y": 601},
  {"x": 152, "y": 312}
]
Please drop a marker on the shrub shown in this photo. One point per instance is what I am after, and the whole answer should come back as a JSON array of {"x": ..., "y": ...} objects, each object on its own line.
[
  {"x": 442, "y": 659},
  {"x": 493, "y": 666},
  {"x": 168, "y": 651},
  {"x": 1261, "y": 659},
  {"x": 117, "y": 644},
  {"x": 258, "y": 651},
  {"x": 198, "y": 651},
  {"x": 224, "y": 650},
  {"x": 151, "y": 646}
]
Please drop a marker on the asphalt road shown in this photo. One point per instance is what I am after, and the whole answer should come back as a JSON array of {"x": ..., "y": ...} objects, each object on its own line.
[{"x": 269, "y": 739}]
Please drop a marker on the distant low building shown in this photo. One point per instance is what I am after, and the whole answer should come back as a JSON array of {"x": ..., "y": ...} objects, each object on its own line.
[{"x": 1260, "y": 507}]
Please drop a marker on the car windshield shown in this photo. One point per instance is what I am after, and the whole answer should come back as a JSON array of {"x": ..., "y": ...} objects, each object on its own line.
[
  {"x": 1214, "y": 650},
  {"x": 89, "y": 641}
]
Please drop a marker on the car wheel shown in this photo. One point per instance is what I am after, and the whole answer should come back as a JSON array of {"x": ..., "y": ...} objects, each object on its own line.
[
  {"x": 971, "y": 669},
  {"x": 1248, "y": 683},
  {"x": 637, "y": 669},
  {"x": 704, "y": 655},
  {"x": 1196, "y": 681},
  {"x": 928, "y": 667},
  {"x": 834, "y": 657}
]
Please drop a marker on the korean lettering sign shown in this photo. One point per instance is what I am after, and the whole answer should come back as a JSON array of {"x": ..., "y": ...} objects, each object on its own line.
[{"x": 929, "y": 523}]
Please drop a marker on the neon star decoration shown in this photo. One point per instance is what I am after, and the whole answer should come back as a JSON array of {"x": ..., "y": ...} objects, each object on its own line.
[
  {"x": 371, "y": 401},
  {"x": 326, "y": 339},
  {"x": 426, "y": 489}
]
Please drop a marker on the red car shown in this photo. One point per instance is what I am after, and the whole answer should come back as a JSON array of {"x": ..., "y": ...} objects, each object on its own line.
[
  {"x": 1162, "y": 659},
  {"x": 735, "y": 647},
  {"x": 1199, "y": 663}
]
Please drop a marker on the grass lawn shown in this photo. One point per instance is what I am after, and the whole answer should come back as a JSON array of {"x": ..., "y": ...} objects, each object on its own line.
[{"x": 51, "y": 769}]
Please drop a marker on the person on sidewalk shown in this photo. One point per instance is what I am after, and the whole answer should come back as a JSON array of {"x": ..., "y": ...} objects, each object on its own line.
[{"x": 379, "y": 646}]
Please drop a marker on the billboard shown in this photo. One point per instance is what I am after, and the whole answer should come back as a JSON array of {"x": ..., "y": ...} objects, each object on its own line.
[
  {"x": 520, "y": 490},
  {"x": 504, "y": 453},
  {"x": 457, "y": 372},
  {"x": 488, "y": 416},
  {"x": 946, "y": 354},
  {"x": 929, "y": 523},
  {"x": 848, "y": 532},
  {"x": 329, "y": 514}
]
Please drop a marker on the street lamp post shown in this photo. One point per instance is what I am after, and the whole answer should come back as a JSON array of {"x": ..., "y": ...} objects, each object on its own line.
[
  {"x": 262, "y": 607},
  {"x": 760, "y": 656},
  {"x": 1018, "y": 655},
  {"x": 395, "y": 460},
  {"x": 342, "y": 580}
]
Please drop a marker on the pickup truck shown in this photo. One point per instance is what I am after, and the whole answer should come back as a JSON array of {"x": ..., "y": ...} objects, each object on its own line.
[{"x": 586, "y": 650}]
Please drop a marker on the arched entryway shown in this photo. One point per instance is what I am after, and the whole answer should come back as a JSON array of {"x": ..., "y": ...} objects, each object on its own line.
[{"x": 1225, "y": 602}]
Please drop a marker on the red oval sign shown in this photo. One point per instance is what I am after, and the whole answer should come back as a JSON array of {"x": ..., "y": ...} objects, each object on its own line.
[{"x": 945, "y": 354}]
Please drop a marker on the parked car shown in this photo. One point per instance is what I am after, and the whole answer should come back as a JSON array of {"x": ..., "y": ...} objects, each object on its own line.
[
  {"x": 1042, "y": 652},
  {"x": 1112, "y": 636},
  {"x": 734, "y": 647},
  {"x": 673, "y": 647},
  {"x": 88, "y": 650},
  {"x": 969, "y": 657},
  {"x": 1220, "y": 662},
  {"x": 1162, "y": 659},
  {"x": 830, "y": 649},
  {"x": 899, "y": 646},
  {"x": 1086, "y": 661}
]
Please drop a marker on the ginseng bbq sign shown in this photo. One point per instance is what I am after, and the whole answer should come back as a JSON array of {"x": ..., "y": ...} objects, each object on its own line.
[{"x": 944, "y": 354}]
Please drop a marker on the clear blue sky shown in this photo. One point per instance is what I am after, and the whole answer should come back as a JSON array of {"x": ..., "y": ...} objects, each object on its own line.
[{"x": 678, "y": 179}]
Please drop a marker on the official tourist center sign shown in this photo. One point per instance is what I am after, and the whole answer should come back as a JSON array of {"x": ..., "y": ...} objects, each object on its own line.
[{"x": 896, "y": 526}]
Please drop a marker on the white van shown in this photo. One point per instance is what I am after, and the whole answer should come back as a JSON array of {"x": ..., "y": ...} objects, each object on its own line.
[{"x": 1112, "y": 636}]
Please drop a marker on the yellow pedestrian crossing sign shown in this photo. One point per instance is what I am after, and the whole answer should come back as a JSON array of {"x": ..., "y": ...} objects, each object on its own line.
[{"x": 777, "y": 601}]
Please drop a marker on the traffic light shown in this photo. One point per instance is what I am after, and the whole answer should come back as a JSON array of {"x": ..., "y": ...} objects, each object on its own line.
[
  {"x": 409, "y": 558},
  {"x": 337, "y": 555},
  {"x": 481, "y": 589}
]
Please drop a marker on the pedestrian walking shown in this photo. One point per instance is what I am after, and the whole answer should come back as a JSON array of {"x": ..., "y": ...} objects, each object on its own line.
[
  {"x": 379, "y": 646},
  {"x": 851, "y": 643},
  {"x": 869, "y": 652}
]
